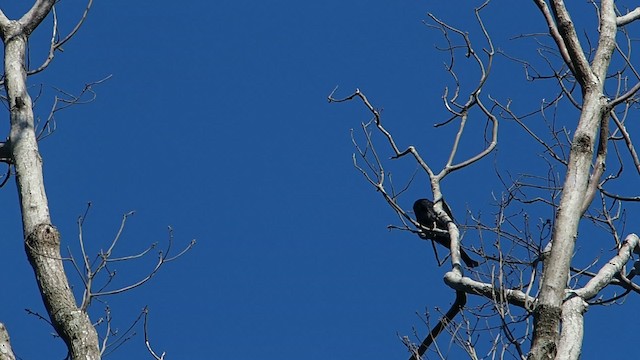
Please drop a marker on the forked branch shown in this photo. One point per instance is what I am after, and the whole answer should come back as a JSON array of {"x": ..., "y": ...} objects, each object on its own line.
[{"x": 91, "y": 271}]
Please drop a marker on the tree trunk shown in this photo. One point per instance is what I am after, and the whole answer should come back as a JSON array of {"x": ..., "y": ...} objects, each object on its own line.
[
  {"x": 547, "y": 325},
  {"x": 42, "y": 240}
]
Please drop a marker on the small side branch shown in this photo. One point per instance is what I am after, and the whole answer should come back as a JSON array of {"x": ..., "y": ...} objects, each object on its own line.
[
  {"x": 555, "y": 34},
  {"x": 397, "y": 152},
  {"x": 571, "y": 43},
  {"x": 110, "y": 345},
  {"x": 458, "y": 304},
  {"x": 610, "y": 269},
  {"x": 624, "y": 97},
  {"x": 629, "y": 17},
  {"x": 627, "y": 140},
  {"x": 56, "y": 42},
  {"x": 146, "y": 338},
  {"x": 64, "y": 100},
  {"x": 91, "y": 272},
  {"x": 163, "y": 258}
]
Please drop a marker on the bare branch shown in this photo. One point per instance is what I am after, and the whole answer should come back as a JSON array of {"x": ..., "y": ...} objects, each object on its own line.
[
  {"x": 35, "y": 15},
  {"x": 456, "y": 307},
  {"x": 610, "y": 269},
  {"x": 146, "y": 338},
  {"x": 105, "y": 257},
  {"x": 606, "y": 42},
  {"x": 56, "y": 43},
  {"x": 398, "y": 154},
  {"x": 555, "y": 34},
  {"x": 629, "y": 17},
  {"x": 85, "y": 258},
  {"x": 627, "y": 140},
  {"x": 65, "y": 101},
  {"x": 121, "y": 337},
  {"x": 162, "y": 259},
  {"x": 537, "y": 138},
  {"x": 468, "y": 285},
  {"x": 486, "y": 151},
  {"x": 624, "y": 97},
  {"x": 107, "y": 332},
  {"x": 570, "y": 41}
]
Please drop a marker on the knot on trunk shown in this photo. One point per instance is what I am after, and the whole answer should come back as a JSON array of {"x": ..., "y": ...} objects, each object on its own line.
[
  {"x": 582, "y": 143},
  {"x": 43, "y": 235}
]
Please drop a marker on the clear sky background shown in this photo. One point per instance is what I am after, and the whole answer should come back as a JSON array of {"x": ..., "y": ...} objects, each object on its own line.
[{"x": 215, "y": 122}]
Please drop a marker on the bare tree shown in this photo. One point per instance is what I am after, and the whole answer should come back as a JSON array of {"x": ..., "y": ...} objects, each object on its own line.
[
  {"x": 535, "y": 292},
  {"x": 41, "y": 239}
]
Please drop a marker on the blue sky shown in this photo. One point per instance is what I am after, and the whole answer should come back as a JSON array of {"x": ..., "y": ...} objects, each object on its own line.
[{"x": 215, "y": 121}]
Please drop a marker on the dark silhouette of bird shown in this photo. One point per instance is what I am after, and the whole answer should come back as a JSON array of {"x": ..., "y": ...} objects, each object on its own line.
[{"x": 428, "y": 218}]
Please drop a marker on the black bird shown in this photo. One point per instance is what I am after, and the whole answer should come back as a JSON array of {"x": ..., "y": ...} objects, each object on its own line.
[{"x": 427, "y": 217}]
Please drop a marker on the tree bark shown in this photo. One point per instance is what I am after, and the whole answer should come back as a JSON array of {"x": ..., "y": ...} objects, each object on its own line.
[{"x": 6, "y": 353}]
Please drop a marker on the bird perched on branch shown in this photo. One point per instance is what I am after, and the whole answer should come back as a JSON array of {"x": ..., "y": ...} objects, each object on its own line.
[{"x": 428, "y": 218}]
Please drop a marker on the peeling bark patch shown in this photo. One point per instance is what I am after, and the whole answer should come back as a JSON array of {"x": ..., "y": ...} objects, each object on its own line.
[{"x": 582, "y": 143}]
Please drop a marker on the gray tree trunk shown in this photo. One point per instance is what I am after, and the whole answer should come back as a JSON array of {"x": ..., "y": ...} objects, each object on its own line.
[
  {"x": 42, "y": 240},
  {"x": 553, "y": 291}
]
